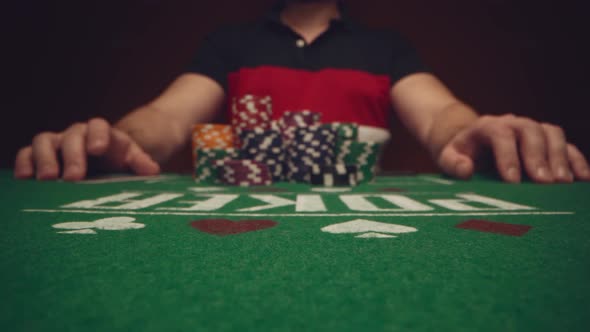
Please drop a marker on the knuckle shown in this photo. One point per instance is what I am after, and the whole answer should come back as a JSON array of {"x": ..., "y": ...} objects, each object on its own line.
[
  {"x": 558, "y": 151},
  {"x": 43, "y": 136},
  {"x": 22, "y": 151},
  {"x": 499, "y": 131},
  {"x": 486, "y": 118},
  {"x": 77, "y": 127},
  {"x": 525, "y": 121},
  {"x": 509, "y": 116},
  {"x": 98, "y": 121},
  {"x": 554, "y": 128},
  {"x": 530, "y": 124}
]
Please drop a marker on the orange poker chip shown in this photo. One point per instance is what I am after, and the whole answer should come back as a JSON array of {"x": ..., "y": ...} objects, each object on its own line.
[
  {"x": 211, "y": 136},
  {"x": 214, "y": 136}
]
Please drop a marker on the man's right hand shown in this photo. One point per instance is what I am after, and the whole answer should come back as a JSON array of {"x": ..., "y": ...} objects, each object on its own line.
[{"x": 113, "y": 149}]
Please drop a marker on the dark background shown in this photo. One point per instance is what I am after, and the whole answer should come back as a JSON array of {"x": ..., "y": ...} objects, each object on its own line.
[{"x": 67, "y": 61}]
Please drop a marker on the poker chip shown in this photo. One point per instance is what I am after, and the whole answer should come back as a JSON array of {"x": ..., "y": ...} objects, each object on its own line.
[
  {"x": 308, "y": 146},
  {"x": 298, "y": 172},
  {"x": 346, "y": 131},
  {"x": 373, "y": 134},
  {"x": 334, "y": 175},
  {"x": 290, "y": 121},
  {"x": 250, "y": 112},
  {"x": 313, "y": 145},
  {"x": 217, "y": 136},
  {"x": 366, "y": 156},
  {"x": 297, "y": 147},
  {"x": 265, "y": 147},
  {"x": 205, "y": 170},
  {"x": 242, "y": 172},
  {"x": 211, "y": 136}
]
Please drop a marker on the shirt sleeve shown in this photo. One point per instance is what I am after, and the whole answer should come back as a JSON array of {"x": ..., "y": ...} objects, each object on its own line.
[
  {"x": 406, "y": 60},
  {"x": 213, "y": 58}
]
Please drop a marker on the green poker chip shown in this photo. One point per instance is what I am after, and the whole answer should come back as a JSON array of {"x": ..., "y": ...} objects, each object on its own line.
[
  {"x": 205, "y": 171},
  {"x": 365, "y": 173},
  {"x": 362, "y": 153},
  {"x": 345, "y": 131}
]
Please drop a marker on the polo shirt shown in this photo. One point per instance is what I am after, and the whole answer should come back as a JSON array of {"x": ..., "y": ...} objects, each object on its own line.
[{"x": 346, "y": 73}]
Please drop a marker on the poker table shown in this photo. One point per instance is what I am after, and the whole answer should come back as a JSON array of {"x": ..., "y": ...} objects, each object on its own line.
[{"x": 409, "y": 252}]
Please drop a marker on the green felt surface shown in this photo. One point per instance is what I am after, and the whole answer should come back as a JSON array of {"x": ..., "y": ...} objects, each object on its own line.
[{"x": 169, "y": 276}]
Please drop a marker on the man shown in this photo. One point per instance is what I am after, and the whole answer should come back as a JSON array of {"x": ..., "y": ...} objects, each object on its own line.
[{"x": 303, "y": 32}]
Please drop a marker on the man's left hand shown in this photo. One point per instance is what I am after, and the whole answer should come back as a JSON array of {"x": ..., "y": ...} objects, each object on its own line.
[{"x": 517, "y": 144}]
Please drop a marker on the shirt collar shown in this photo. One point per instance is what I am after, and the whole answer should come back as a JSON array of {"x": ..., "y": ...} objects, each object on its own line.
[{"x": 274, "y": 16}]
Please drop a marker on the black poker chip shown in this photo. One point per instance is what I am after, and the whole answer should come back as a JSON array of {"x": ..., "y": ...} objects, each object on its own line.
[{"x": 334, "y": 175}]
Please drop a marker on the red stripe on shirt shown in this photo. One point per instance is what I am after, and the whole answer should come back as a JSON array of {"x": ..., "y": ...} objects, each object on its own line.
[{"x": 342, "y": 95}]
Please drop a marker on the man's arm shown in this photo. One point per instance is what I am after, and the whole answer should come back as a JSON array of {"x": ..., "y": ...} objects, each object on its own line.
[
  {"x": 139, "y": 141},
  {"x": 455, "y": 135},
  {"x": 164, "y": 125}
]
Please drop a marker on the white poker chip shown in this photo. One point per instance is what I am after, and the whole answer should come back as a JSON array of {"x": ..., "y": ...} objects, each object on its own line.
[{"x": 373, "y": 134}]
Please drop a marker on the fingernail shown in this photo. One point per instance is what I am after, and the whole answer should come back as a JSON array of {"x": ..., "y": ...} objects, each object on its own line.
[
  {"x": 96, "y": 144},
  {"x": 462, "y": 168},
  {"x": 543, "y": 172},
  {"x": 562, "y": 173},
  {"x": 513, "y": 174}
]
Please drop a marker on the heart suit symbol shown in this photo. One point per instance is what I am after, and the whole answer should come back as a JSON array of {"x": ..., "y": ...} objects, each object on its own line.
[{"x": 223, "y": 227}]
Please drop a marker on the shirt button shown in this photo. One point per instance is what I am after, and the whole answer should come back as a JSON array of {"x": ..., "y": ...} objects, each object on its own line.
[{"x": 300, "y": 43}]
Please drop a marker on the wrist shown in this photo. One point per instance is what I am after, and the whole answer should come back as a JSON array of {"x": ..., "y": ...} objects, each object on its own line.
[{"x": 447, "y": 125}]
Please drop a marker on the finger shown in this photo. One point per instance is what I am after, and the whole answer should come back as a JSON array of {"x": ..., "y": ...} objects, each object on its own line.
[
  {"x": 454, "y": 162},
  {"x": 557, "y": 153},
  {"x": 503, "y": 143},
  {"x": 23, "y": 164},
  {"x": 141, "y": 163},
  {"x": 578, "y": 163},
  {"x": 118, "y": 149},
  {"x": 533, "y": 149},
  {"x": 73, "y": 149},
  {"x": 98, "y": 136},
  {"x": 45, "y": 147},
  {"x": 126, "y": 154}
]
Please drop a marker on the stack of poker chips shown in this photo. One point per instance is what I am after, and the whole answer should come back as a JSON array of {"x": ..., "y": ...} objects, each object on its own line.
[
  {"x": 265, "y": 147},
  {"x": 307, "y": 142},
  {"x": 311, "y": 146},
  {"x": 330, "y": 154},
  {"x": 365, "y": 155},
  {"x": 333, "y": 175},
  {"x": 205, "y": 170},
  {"x": 242, "y": 172},
  {"x": 296, "y": 147},
  {"x": 250, "y": 112},
  {"x": 291, "y": 121},
  {"x": 210, "y": 142},
  {"x": 259, "y": 162}
]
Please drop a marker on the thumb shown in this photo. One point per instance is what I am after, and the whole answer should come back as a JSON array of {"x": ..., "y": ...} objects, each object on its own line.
[
  {"x": 140, "y": 162},
  {"x": 455, "y": 163},
  {"x": 124, "y": 154}
]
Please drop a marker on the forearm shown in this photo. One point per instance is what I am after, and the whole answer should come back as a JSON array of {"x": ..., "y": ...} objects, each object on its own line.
[
  {"x": 446, "y": 123},
  {"x": 155, "y": 132}
]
